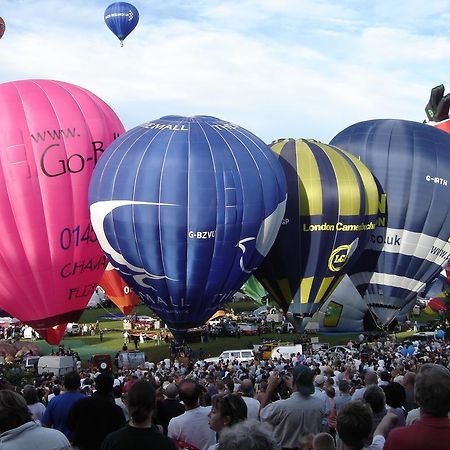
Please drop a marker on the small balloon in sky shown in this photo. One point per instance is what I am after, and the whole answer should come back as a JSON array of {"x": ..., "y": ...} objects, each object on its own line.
[
  {"x": 121, "y": 18},
  {"x": 2, "y": 27}
]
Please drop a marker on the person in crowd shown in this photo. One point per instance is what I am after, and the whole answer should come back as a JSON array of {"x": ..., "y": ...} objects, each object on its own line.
[
  {"x": 92, "y": 418},
  {"x": 58, "y": 408},
  {"x": 118, "y": 398},
  {"x": 395, "y": 401},
  {"x": 344, "y": 395},
  {"x": 375, "y": 398},
  {"x": 247, "y": 392},
  {"x": 140, "y": 432},
  {"x": 370, "y": 379},
  {"x": 192, "y": 426},
  {"x": 330, "y": 411},
  {"x": 408, "y": 382},
  {"x": 300, "y": 413},
  {"x": 432, "y": 431},
  {"x": 169, "y": 407},
  {"x": 37, "y": 409},
  {"x": 306, "y": 441},
  {"x": 249, "y": 435},
  {"x": 18, "y": 431},
  {"x": 226, "y": 410},
  {"x": 354, "y": 425},
  {"x": 323, "y": 441}
]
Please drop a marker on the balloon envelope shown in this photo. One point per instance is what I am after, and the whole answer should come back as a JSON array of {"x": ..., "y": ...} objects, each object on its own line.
[
  {"x": 121, "y": 18},
  {"x": 253, "y": 289},
  {"x": 118, "y": 290},
  {"x": 186, "y": 208},
  {"x": 51, "y": 135},
  {"x": 343, "y": 311},
  {"x": 2, "y": 27},
  {"x": 331, "y": 209},
  {"x": 411, "y": 244}
]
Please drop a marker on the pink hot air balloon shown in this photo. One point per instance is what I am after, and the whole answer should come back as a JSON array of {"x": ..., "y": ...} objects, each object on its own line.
[
  {"x": 51, "y": 136},
  {"x": 118, "y": 290}
]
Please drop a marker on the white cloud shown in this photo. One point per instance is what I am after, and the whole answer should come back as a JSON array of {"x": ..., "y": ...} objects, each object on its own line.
[{"x": 277, "y": 67}]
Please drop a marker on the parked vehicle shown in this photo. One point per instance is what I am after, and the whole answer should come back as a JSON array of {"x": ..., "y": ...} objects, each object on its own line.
[
  {"x": 100, "y": 363},
  {"x": 248, "y": 329},
  {"x": 73, "y": 329},
  {"x": 285, "y": 327},
  {"x": 58, "y": 365},
  {"x": 230, "y": 355},
  {"x": 286, "y": 351}
]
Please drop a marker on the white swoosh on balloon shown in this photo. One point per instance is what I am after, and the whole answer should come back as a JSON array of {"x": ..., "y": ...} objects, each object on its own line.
[{"x": 99, "y": 211}]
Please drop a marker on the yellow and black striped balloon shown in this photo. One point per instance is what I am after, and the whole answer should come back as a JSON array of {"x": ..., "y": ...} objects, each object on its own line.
[{"x": 332, "y": 207}]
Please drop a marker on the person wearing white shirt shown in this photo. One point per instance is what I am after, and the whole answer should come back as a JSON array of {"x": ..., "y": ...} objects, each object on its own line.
[
  {"x": 192, "y": 426},
  {"x": 247, "y": 393}
]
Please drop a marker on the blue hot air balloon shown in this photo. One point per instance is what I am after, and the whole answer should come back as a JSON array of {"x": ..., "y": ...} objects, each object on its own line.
[
  {"x": 331, "y": 209},
  {"x": 186, "y": 208},
  {"x": 410, "y": 245},
  {"x": 121, "y": 18}
]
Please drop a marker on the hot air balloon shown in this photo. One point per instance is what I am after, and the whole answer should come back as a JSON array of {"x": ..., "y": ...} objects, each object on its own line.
[
  {"x": 51, "y": 135},
  {"x": 253, "y": 289},
  {"x": 186, "y": 208},
  {"x": 343, "y": 311},
  {"x": 2, "y": 27},
  {"x": 118, "y": 291},
  {"x": 121, "y": 18},
  {"x": 411, "y": 244},
  {"x": 331, "y": 210}
]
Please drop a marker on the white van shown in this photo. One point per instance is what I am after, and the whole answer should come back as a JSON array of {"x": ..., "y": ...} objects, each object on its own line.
[
  {"x": 230, "y": 355},
  {"x": 58, "y": 365},
  {"x": 286, "y": 351},
  {"x": 73, "y": 329}
]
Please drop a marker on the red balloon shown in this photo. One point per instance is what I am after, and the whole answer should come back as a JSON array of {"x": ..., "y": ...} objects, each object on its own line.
[{"x": 118, "y": 290}]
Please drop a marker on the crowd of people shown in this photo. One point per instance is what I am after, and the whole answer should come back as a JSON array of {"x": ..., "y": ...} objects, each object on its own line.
[{"x": 374, "y": 395}]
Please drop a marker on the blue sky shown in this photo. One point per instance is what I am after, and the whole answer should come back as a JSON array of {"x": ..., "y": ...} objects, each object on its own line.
[{"x": 280, "y": 68}]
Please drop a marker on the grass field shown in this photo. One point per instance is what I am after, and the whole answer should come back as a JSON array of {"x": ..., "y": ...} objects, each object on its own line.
[{"x": 87, "y": 346}]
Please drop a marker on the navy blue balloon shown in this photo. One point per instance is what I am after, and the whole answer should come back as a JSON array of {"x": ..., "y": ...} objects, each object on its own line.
[
  {"x": 186, "y": 208},
  {"x": 411, "y": 243},
  {"x": 121, "y": 18}
]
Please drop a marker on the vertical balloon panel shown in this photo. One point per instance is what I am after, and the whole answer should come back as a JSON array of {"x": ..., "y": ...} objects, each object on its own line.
[
  {"x": 186, "y": 209},
  {"x": 411, "y": 244},
  {"x": 51, "y": 136},
  {"x": 331, "y": 209}
]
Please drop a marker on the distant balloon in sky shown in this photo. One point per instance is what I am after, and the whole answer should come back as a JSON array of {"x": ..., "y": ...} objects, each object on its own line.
[
  {"x": 411, "y": 245},
  {"x": 331, "y": 211},
  {"x": 51, "y": 136},
  {"x": 121, "y": 18},
  {"x": 118, "y": 291},
  {"x": 187, "y": 208},
  {"x": 2, "y": 27}
]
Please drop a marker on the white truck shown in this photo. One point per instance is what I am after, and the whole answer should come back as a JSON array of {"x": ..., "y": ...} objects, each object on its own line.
[
  {"x": 58, "y": 365},
  {"x": 286, "y": 351}
]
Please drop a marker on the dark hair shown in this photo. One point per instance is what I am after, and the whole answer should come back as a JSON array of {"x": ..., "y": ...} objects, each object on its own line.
[
  {"x": 104, "y": 383},
  {"x": 432, "y": 390},
  {"x": 141, "y": 401},
  {"x": 29, "y": 393},
  {"x": 354, "y": 423},
  {"x": 13, "y": 410},
  {"x": 190, "y": 392},
  {"x": 344, "y": 386},
  {"x": 72, "y": 381},
  {"x": 375, "y": 397},
  {"x": 395, "y": 394},
  {"x": 230, "y": 405}
]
